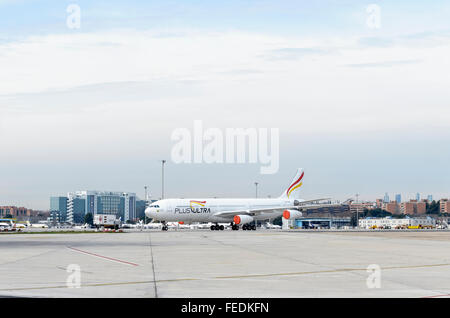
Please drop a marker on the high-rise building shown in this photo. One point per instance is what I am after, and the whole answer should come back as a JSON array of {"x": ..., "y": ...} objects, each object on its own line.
[
  {"x": 386, "y": 198},
  {"x": 413, "y": 207},
  {"x": 391, "y": 207},
  {"x": 59, "y": 205},
  {"x": 418, "y": 197},
  {"x": 398, "y": 198},
  {"x": 140, "y": 208},
  {"x": 76, "y": 208},
  {"x": 120, "y": 204},
  {"x": 20, "y": 213},
  {"x": 361, "y": 206},
  {"x": 444, "y": 206},
  {"x": 379, "y": 203},
  {"x": 430, "y": 198}
]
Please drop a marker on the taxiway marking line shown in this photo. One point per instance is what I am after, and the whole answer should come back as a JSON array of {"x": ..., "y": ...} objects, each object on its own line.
[
  {"x": 328, "y": 271},
  {"x": 101, "y": 256},
  {"x": 230, "y": 277},
  {"x": 100, "y": 284}
]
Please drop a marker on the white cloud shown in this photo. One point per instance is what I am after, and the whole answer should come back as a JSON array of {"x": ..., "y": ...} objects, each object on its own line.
[
  {"x": 197, "y": 73},
  {"x": 93, "y": 97}
]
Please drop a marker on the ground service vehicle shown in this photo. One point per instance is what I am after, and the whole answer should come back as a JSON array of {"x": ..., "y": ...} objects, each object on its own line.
[{"x": 106, "y": 221}]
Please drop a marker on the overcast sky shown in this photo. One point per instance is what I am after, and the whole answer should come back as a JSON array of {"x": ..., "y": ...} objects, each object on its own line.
[{"x": 362, "y": 109}]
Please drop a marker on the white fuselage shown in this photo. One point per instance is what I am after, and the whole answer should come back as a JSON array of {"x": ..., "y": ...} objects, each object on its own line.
[{"x": 203, "y": 210}]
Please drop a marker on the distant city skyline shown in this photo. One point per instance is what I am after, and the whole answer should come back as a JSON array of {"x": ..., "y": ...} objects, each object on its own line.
[{"x": 56, "y": 199}]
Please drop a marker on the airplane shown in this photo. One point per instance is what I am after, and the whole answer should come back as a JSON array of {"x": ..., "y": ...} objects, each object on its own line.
[
  {"x": 236, "y": 212},
  {"x": 206, "y": 225},
  {"x": 19, "y": 225},
  {"x": 37, "y": 225},
  {"x": 269, "y": 225},
  {"x": 202, "y": 226},
  {"x": 81, "y": 227},
  {"x": 182, "y": 226},
  {"x": 171, "y": 225},
  {"x": 153, "y": 226},
  {"x": 5, "y": 226}
]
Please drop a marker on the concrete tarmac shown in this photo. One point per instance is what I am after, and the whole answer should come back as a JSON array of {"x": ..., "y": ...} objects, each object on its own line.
[{"x": 201, "y": 263}]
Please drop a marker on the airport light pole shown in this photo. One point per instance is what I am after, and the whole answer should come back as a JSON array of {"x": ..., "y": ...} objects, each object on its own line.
[
  {"x": 145, "y": 206},
  {"x": 162, "y": 179},
  {"x": 256, "y": 196},
  {"x": 145, "y": 197}
]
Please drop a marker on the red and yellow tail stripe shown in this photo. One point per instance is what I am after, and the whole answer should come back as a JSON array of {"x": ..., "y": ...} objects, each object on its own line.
[{"x": 295, "y": 185}]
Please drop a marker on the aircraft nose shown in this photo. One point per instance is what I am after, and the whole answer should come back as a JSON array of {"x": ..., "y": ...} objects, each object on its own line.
[{"x": 148, "y": 212}]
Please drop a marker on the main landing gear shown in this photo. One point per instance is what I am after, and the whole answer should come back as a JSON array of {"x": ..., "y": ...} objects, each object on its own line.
[
  {"x": 245, "y": 227},
  {"x": 217, "y": 227},
  {"x": 248, "y": 227}
]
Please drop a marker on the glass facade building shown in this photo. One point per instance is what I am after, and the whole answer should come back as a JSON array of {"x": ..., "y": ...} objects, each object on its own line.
[
  {"x": 59, "y": 204},
  {"x": 76, "y": 209},
  {"x": 141, "y": 205},
  {"x": 111, "y": 204},
  {"x": 120, "y": 204}
]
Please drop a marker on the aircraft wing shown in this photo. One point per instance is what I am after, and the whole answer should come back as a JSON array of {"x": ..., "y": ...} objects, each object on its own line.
[
  {"x": 250, "y": 212},
  {"x": 301, "y": 203},
  {"x": 318, "y": 206},
  {"x": 253, "y": 212}
]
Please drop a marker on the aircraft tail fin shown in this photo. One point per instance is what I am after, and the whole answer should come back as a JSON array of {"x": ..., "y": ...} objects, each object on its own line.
[{"x": 293, "y": 191}]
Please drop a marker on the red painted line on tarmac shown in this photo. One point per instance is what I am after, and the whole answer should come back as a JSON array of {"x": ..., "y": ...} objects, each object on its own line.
[
  {"x": 436, "y": 296},
  {"x": 101, "y": 256}
]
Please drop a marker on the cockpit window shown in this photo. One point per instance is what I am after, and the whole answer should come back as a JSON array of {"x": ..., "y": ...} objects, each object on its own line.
[{"x": 154, "y": 206}]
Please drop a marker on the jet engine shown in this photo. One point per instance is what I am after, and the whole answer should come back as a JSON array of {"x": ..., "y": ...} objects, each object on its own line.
[
  {"x": 291, "y": 214},
  {"x": 242, "y": 219}
]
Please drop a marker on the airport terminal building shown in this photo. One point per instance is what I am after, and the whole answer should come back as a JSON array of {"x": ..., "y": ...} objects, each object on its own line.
[
  {"x": 120, "y": 204},
  {"x": 393, "y": 223},
  {"x": 317, "y": 223}
]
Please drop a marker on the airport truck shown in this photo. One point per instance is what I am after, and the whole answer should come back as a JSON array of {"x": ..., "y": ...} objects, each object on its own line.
[{"x": 106, "y": 221}]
